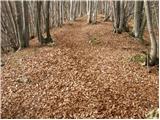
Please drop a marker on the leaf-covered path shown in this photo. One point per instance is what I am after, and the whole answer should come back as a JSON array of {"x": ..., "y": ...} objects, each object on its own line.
[{"x": 87, "y": 74}]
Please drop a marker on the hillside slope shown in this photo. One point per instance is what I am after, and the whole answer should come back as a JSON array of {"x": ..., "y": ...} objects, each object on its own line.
[{"x": 87, "y": 74}]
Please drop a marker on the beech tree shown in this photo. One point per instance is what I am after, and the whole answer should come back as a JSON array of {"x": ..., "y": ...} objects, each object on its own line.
[
  {"x": 138, "y": 10},
  {"x": 95, "y": 12},
  {"x": 153, "y": 50},
  {"x": 19, "y": 19},
  {"x": 116, "y": 15},
  {"x": 89, "y": 11},
  {"x": 107, "y": 10},
  {"x": 73, "y": 8},
  {"x": 119, "y": 17},
  {"x": 25, "y": 20},
  {"x": 48, "y": 39},
  {"x": 25, "y": 23},
  {"x": 39, "y": 33},
  {"x": 92, "y": 12}
]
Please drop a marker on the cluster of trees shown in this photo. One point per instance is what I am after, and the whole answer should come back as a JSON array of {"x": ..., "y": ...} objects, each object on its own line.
[{"x": 22, "y": 20}]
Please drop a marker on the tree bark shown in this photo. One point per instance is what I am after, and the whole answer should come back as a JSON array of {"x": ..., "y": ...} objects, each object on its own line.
[
  {"x": 116, "y": 16},
  {"x": 106, "y": 10},
  {"x": 71, "y": 10},
  {"x": 153, "y": 50},
  {"x": 11, "y": 19},
  {"x": 25, "y": 23},
  {"x": 137, "y": 18},
  {"x": 142, "y": 27},
  {"x": 39, "y": 33},
  {"x": 89, "y": 20},
  {"x": 20, "y": 24},
  {"x": 122, "y": 20},
  {"x": 48, "y": 39},
  {"x": 94, "y": 15}
]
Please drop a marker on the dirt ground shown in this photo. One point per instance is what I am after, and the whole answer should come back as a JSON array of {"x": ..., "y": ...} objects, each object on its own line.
[{"x": 86, "y": 74}]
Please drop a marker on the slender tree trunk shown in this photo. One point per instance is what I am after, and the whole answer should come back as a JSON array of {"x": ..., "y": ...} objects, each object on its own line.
[
  {"x": 89, "y": 20},
  {"x": 137, "y": 17},
  {"x": 47, "y": 20},
  {"x": 153, "y": 51},
  {"x": 61, "y": 12},
  {"x": 39, "y": 33},
  {"x": 156, "y": 15},
  {"x": 116, "y": 15},
  {"x": 20, "y": 24},
  {"x": 48, "y": 39},
  {"x": 142, "y": 28},
  {"x": 106, "y": 6},
  {"x": 80, "y": 8},
  {"x": 74, "y": 10},
  {"x": 25, "y": 23},
  {"x": 10, "y": 13},
  {"x": 71, "y": 10},
  {"x": 122, "y": 20},
  {"x": 94, "y": 15}
]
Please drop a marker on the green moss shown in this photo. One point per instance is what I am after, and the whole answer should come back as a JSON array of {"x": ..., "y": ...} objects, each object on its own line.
[
  {"x": 93, "y": 40},
  {"x": 138, "y": 58},
  {"x": 153, "y": 114}
]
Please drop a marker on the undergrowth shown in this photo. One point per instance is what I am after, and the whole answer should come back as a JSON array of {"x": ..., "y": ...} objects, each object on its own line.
[
  {"x": 93, "y": 40},
  {"x": 139, "y": 58}
]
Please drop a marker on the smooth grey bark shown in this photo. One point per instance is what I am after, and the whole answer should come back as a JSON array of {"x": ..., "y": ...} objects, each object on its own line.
[
  {"x": 48, "y": 39},
  {"x": 156, "y": 15},
  {"x": 80, "y": 8},
  {"x": 89, "y": 20},
  {"x": 94, "y": 15},
  {"x": 38, "y": 25},
  {"x": 116, "y": 16},
  {"x": 71, "y": 10},
  {"x": 142, "y": 28},
  {"x": 32, "y": 19},
  {"x": 25, "y": 23},
  {"x": 74, "y": 10},
  {"x": 61, "y": 12},
  {"x": 10, "y": 16},
  {"x": 137, "y": 17},
  {"x": 43, "y": 11},
  {"x": 153, "y": 50},
  {"x": 122, "y": 19},
  {"x": 87, "y": 6},
  {"x": 47, "y": 19},
  {"x": 20, "y": 24},
  {"x": 92, "y": 12},
  {"x": 10, "y": 26},
  {"x": 106, "y": 10}
]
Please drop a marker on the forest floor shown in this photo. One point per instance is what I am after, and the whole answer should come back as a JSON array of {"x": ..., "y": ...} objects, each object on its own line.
[{"x": 88, "y": 73}]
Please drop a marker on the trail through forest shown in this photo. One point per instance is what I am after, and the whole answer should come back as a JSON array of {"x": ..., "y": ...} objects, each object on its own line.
[{"x": 88, "y": 73}]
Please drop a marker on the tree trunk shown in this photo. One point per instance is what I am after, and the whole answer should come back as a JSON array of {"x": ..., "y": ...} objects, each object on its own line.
[
  {"x": 89, "y": 20},
  {"x": 137, "y": 17},
  {"x": 142, "y": 27},
  {"x": 156, "y": 15},
  {"x": 153, "y": 51},
  {"x": 122, "y": 20},
  {"x": 116, "y": 15},
  {"x": 25, "y": 23},
  {"x": 39, "y": 33},
  {"x": 10, "y": 9},
  {"x": 71, "y": 10},
  {"x": 20, "y": 24},
  {"x": 48, "y": 39},
  {"x": 74, "y": 10},
  {"x": 106, "y": 10},
  {"x": 80, "y": 8},
  {"x": 94, "y": 15}
]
